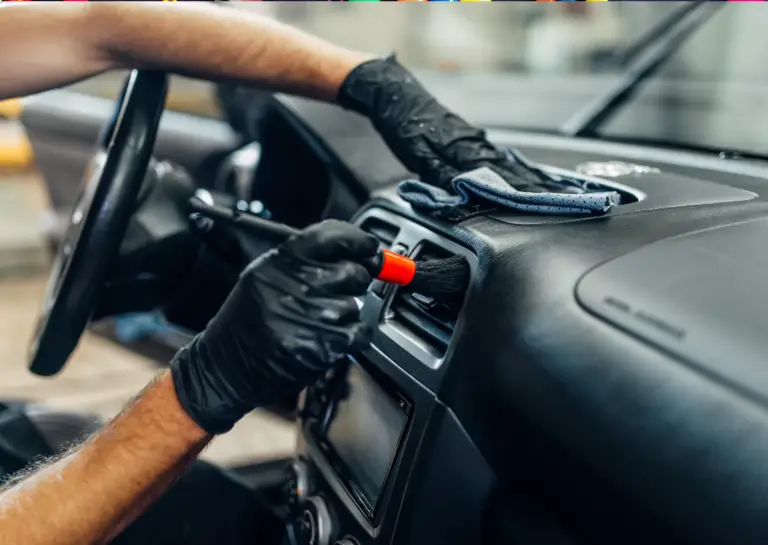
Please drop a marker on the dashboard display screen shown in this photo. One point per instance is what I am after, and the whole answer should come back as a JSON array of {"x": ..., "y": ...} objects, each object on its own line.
[{"x": 365, "y": 432}]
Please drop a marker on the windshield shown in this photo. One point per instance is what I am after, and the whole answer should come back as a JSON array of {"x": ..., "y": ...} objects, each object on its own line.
[
  {"x": 711, "y": 92},
  {"x": 534, "y": 66}
]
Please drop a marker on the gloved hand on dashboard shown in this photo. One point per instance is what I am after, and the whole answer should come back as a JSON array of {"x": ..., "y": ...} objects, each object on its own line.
[
  {"x": 426, "y": 137},
  {"x": 290, "y": 317}
]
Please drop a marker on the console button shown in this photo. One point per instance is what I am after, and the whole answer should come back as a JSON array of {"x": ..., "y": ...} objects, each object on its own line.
[
  {"x": 316, "y": 400},
  {"x": 297, "y": 485},
  {"x": 400, "y": 248},
  {"x": 314, "y": 525}
]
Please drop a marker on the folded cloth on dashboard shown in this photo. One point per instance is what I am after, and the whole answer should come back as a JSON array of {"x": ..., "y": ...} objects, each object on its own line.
[{"x": 563, "y": 195}]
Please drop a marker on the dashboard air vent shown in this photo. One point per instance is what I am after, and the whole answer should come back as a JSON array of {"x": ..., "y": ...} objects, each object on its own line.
[
  {"x": 428, "y": 320},
  {"x": 384, "y": 231}
]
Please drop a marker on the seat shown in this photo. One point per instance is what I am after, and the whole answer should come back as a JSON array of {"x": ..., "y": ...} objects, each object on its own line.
[
  {"x": 60, "y": 428},
  {"x": 29, "y": 431}
]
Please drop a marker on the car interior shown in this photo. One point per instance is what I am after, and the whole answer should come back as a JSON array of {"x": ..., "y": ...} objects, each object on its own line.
[{"x": 603, "y": 381}]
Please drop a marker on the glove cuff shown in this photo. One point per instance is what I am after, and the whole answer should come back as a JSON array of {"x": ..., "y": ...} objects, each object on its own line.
[
  {"x": 364, "y": 87},
  {"x": 189, "y": 381}
]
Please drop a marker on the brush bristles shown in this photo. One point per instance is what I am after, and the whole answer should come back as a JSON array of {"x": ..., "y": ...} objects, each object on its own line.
[{"x": 443, "y": 279}]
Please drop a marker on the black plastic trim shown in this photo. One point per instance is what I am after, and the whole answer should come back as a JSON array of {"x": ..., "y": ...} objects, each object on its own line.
[{"x": 392, "y": 335}]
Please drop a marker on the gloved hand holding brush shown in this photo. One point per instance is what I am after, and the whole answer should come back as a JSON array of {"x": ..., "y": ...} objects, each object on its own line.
[
  {"x": 291, "y": 316},
  {"x": 429, "y": 139},
  {"x": 438, "y": 278}
]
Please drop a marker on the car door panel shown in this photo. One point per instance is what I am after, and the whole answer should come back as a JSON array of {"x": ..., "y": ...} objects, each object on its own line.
[{"x": 63, "y": 127}]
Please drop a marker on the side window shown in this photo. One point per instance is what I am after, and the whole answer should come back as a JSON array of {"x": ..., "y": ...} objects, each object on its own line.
[{"x": 184, "y": 95}]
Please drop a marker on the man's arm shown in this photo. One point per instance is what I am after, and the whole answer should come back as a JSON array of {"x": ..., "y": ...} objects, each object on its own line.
[
  {"x": 247, "y": 357},
  {"x": 46, "y": 46},
  {"x": 93, "y": 492},
  {"x": 51, "y": 45}
]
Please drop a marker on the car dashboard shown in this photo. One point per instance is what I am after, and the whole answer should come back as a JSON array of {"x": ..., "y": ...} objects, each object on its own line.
[{"x": 603, "y": 382}]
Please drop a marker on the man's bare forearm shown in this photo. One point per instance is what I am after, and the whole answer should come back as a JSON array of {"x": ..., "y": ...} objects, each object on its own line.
[
  {"x": 90, "y": 494},
  {"x": 52, "y": 45}
]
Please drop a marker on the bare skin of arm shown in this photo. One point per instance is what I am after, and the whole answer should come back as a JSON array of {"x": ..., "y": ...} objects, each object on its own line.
[
  {"x": 93, "y": 492},
  {"x": 51, "y": 45}
]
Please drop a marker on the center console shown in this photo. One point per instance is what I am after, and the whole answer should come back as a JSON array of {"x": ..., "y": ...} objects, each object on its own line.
[
  {"x": 609, "y": 369},
  {"x": 369, "y": 426},
  {"x": 355, "y": 425},
  {"x": 360, "y": 433}
]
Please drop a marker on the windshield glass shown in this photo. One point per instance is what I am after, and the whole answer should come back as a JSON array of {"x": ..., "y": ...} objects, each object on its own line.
[
  {"x": 491, "y": 38},
  {"x": 533, "y": 65},
  {"x": 711, "y": 93}
]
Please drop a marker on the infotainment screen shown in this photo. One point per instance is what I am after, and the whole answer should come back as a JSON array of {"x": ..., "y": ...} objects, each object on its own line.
[{"x": 365, "y": 431}]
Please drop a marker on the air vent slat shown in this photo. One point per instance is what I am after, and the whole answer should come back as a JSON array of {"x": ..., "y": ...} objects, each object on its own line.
[
  {"x": 431, "y": 321},
  {"x": 419, "y": 321},
  {"x": 433, "y": 313},
  {"x": 385, "y": 232}
]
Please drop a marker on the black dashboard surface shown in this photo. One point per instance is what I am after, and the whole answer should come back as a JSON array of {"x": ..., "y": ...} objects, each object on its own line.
[
  {"x": 348, "y": 137},
  {"x": 611, "y": 368}
]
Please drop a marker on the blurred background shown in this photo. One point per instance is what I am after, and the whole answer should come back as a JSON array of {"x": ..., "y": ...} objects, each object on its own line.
[{"x": 573, "y": 51}]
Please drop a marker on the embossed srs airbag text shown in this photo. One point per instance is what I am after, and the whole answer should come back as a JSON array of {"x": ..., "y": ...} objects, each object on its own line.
[{"x": 646, "y": 317}]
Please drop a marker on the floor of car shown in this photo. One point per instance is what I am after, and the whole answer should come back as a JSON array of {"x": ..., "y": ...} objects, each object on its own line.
[{"x": 101, "y": 376}]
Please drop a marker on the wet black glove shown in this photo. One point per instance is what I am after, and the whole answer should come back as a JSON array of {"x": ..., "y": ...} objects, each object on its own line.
[
  {"x": 290, "y": 317},
  {"x": 428, "y": 139}
]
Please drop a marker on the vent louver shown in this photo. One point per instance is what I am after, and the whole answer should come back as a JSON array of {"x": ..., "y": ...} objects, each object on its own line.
[
  {"x": 429, "y": 320},
  {"x": 384, "y": 231}
]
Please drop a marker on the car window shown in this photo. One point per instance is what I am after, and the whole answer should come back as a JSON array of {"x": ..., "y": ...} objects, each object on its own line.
[
  {"x": 533, "y": 65},
  {"x": 495, "y": 38},
  {"x": 546, "y": 60},
  {"x": 519, "y": 64},
  {"x": 712, "y": 92},
  {"x": 184, "y": 95}
]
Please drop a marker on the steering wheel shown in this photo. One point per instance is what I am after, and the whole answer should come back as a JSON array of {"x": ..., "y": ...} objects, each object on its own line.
[{"x": 90, "y": 248}]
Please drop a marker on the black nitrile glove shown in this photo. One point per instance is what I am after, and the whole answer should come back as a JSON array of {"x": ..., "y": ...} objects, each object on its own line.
[
  {"x": 428, "y": 139},
  {"x": 290, "y": 317}
]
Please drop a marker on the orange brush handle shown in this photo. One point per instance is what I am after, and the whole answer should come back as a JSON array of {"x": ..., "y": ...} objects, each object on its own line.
[{"x": 396, "y": 268}]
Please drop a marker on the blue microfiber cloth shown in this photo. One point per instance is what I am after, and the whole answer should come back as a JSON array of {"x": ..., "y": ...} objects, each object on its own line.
[{"x": 573, "y": 196}]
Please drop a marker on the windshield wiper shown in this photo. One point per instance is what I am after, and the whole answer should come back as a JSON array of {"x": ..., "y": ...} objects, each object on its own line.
[
  {"x": 586, "y": 121},
  {"x": 625, "y": 57}
]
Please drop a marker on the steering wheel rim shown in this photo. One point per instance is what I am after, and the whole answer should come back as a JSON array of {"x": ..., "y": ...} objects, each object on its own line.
[{"x": 100, "y": 217}]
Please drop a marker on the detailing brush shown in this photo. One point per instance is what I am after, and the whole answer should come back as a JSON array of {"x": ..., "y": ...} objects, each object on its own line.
[
  {"x": 445, "y": 279},
  {"x": 442, "y": 279}
]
